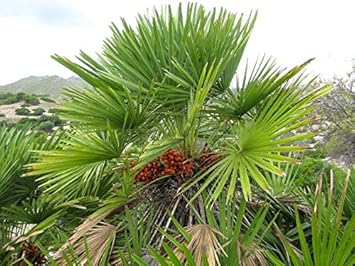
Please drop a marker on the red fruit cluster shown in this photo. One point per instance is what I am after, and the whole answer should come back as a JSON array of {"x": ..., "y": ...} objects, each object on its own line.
[
  {"x": 170, "y": 163},
  {"x": 188, "y": 168},
  {"x": 174, "y": 162},
  {"x": 33, "y": 254},
  {"x": 150, "y": 171},
  {"x": 206, "y": 158}
]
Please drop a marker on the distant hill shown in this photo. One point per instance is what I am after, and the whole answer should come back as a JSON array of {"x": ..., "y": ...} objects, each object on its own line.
[{"x": 51, "y": 85}]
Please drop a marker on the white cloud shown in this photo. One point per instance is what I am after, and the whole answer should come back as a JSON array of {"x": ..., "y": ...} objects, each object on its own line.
[{"x": 291, "y": 31}]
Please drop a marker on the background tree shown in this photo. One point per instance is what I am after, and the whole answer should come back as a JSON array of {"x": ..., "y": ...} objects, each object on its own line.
[{"x": 336, "y": 111}]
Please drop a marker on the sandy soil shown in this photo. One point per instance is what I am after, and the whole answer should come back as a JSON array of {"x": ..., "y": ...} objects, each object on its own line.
[{"x": 9, "y": 110}]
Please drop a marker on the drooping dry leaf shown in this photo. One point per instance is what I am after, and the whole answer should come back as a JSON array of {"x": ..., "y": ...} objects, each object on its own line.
[
  {"x": 204, "y": 243},
  {"x": 80, "y": 232},
  {"x": 93, "y": 245}
]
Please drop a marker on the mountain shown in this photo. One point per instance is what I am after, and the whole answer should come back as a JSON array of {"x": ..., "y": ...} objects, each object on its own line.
[{"x": 51, "y": 85}]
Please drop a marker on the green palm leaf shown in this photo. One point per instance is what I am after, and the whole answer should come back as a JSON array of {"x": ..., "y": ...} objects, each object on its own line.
[
  {"x": 79, "y": 167},
  {"x": 254, "y": 145},
  {"x": 332, "y": 243},
  {"x": 168, "y": 53}
]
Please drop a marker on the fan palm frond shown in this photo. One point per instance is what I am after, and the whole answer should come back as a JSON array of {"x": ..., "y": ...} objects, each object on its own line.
[
  {"x": 203, "y": 245},
  {"x": 256, "y": 144},
  {"x": 98, "y": 240},
  {"x": 169, "y": 52},
  {"x": 85, "y": 227},
  {"x": 79, "y": 167},
  {"x": 95, "y": 108}
]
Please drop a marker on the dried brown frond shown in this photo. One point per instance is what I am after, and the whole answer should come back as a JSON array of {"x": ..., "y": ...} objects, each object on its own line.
[
  {"x": 252, "y": 255},
  {"x": 203, "y": 244},
  {"x": 81, "y": 231},
  {"x": 93, "y": 245}
]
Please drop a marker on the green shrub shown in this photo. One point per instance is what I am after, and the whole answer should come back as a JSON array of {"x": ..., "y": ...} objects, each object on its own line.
[
  {"x": 43, "y": 118},
  {"x": 20, "y": 96},
  {"x": 25, "y": 105},
  {"x": 22, "y": 111},
  {"x": 54, "y": 119},
  {"x": 2, "y": 115},
  {"x": 32, "y": 100},
  {"x": 46, "y": 126},
  {"x": 9, "y": 100},
  {"x": 311, "y": 168},
  {"x": 37, "y": 111},
  {"x": 4, "y": 95}
]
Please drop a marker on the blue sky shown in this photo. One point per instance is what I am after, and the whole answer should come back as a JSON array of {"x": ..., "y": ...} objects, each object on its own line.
[{"x": 291, "y": 31}]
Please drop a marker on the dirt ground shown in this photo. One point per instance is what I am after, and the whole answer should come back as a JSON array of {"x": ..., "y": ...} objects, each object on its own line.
[{"x": 10, "y": 115}]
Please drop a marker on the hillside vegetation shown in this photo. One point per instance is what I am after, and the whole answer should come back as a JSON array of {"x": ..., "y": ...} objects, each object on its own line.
[{"x": 35, "y": 112}]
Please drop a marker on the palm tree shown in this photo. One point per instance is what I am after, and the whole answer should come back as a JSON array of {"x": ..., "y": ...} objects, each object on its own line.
[{"x": 172, "y": 148}]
